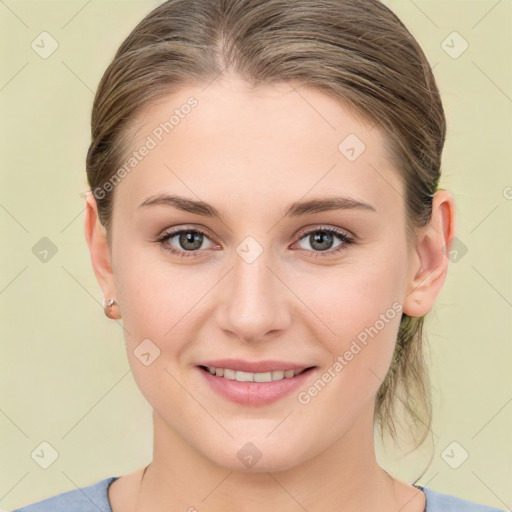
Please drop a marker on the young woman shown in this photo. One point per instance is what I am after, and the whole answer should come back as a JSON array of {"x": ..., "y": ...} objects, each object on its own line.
[{"x": 266, "y": 220}]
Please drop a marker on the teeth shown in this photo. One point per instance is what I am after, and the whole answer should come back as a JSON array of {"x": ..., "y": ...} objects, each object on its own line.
[
  {"x": 253, "y": 377},
  {"x": 229, "y": 374},
  {"x": 244, "y": 376},
  {"x": 263, "y": 377}
]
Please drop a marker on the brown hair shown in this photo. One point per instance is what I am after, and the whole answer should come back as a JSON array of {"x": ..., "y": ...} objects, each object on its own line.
[{"x": 356, "y": 50}]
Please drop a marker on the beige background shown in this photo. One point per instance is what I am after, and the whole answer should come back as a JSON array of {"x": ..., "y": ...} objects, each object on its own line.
[{"x": 65, "y": 378}]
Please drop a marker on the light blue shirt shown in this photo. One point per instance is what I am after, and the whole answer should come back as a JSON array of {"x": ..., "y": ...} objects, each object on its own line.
[{"x": 94, "y": 498}]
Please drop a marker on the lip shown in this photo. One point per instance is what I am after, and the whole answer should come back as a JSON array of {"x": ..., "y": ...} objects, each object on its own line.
[
  {"x": 255, "y": 366},
  {"x": 255, "y": 394}
]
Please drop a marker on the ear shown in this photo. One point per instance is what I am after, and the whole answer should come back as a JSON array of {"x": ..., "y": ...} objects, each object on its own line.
[
  {"x": 95, "y": 235},
  {"x": 429, "y": 262}
]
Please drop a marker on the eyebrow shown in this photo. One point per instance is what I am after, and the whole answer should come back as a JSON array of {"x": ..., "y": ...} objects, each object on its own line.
[{"x": 296, "y": 209}]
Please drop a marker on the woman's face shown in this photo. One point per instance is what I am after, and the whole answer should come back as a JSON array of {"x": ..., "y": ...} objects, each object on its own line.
[{"x": 261, "y": 281}]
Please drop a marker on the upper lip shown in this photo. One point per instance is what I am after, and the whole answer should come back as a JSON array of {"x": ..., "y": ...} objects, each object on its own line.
[{"x": 254, "y": 366}]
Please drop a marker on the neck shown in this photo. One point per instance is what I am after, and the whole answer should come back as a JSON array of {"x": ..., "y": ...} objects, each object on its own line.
[{"x": 345, "y": 476}]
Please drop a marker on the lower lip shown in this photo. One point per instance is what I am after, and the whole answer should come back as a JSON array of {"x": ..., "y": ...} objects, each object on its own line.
[{"x": 255, "y": 393}]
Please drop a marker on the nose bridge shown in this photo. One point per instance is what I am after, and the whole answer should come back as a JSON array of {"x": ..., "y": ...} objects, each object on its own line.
[{"x": 253, "y": 302}]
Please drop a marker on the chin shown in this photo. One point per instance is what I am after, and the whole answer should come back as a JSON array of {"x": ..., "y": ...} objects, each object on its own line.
[{"x": 251, "y": 459}]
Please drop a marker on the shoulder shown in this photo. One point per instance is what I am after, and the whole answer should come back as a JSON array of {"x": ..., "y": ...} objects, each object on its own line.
[
  {"x": 439, "y": 502},
  {"x": 93, "y": 498}
]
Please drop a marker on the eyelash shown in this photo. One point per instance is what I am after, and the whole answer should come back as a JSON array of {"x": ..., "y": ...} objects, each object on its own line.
[{"x": 346, "y": 239}]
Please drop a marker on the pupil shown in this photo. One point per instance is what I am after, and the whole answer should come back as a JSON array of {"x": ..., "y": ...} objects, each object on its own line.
[
  {"x": 190, "y": 237},
  {"x": 322, "y": 236}
]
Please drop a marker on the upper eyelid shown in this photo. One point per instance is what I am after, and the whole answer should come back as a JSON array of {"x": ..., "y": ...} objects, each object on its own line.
[{"x": 326, "y": 227}]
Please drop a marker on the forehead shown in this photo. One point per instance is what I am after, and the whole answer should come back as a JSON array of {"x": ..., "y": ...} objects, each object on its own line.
[{"x": 280, "y": 142}]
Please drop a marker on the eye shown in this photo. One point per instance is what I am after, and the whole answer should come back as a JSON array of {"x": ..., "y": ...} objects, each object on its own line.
[
  {"x": 189, "y": 242},
  {"x": 322, "y": 239}
]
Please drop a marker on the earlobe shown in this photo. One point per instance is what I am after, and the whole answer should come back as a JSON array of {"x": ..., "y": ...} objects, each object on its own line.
[
  {"x": 100, "y": 253},
  {"x": 429, "y": 263}
]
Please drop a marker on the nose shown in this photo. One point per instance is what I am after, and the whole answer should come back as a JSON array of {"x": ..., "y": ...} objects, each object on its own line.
[{"x": 254, "y": 302}]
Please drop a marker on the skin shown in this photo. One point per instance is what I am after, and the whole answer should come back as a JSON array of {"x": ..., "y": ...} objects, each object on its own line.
[{"x": 250, "y": 153}]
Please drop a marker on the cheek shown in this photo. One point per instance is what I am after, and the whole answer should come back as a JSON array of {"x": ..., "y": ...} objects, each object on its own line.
[
  {"x": 358, "y": 311},
  {"x": 361, "y": 353},
  {"x": 162, "y": 303},
  {"x": 151, "y": 293},
  {"x": 348, "y": 299}
]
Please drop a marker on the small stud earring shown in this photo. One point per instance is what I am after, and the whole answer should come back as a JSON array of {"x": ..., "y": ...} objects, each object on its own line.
[{"x": 107, "y": 307}]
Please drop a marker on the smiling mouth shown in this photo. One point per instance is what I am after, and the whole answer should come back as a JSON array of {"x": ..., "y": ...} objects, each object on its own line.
[{"x": 241, "y": 376}]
